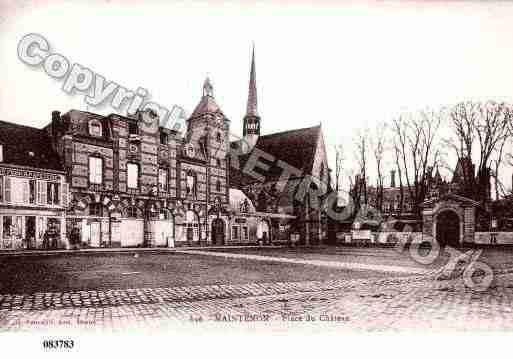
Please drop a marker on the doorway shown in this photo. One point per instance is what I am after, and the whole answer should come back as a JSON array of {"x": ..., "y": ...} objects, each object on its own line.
[
  {"x": 448, "y": 228},
  {"x": 30, "y": 231},
  {"x": 218, "y": 232}
]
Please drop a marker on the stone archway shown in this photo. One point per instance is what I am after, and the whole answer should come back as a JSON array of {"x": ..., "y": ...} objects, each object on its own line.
[{"x": 448, "y": 228}]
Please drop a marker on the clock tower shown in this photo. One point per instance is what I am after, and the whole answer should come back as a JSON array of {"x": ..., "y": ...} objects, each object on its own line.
[{"x": 251, "y": 129}]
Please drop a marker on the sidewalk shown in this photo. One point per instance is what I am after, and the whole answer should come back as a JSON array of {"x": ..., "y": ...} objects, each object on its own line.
[{"x": 42, "y": 252}]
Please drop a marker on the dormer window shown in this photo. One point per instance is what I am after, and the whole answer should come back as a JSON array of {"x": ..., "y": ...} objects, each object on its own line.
[{"x": 95, "y": 128}]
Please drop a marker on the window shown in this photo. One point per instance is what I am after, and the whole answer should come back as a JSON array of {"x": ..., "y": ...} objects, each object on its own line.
[
  {"x": 1, "y": 188},
  {"x": 191, "y": 184},
  {"x": 163, "y": 138},
  {"x": 218, "y": 137},
  {"x": 132, "y": 175},
  {"x": 163, "y": 174},
  {"x": 131, "y": 212},
  {"x": 95, "y": 128},
  {"x": 32, "y": 191},
  {"x": 95, "y": 170},
  {"x": 218, "y": 162},
  {"x": 95, "y": 209},
  {"x": 245, "y": 233},
  {"x": 133, "y": 129},
  {"x": 52, "y": 193},
  {"x": 235, "y": 232},
  {"x": 218, "y": 186}
]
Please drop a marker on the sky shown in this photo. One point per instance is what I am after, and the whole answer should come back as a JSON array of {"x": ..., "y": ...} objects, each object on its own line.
[{"x": 347, "y": 65}]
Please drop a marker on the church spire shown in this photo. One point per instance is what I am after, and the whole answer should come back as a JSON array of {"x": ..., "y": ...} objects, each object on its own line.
[
  {"x": 252, "y": 108},
  {"x": 251, "y": 129}
]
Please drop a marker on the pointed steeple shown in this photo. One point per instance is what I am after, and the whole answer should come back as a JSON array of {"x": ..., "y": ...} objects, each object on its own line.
[
  {"x": 252, "y": 106},
  {"x": 251, "y": 127}
]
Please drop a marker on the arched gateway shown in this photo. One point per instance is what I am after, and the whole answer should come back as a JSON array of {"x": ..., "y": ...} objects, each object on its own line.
[{"x": 449, "y": 219}]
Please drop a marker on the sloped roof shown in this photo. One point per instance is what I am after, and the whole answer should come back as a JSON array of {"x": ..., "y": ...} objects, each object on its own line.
[
  {"x": 451, "y": 196},
  {"x": 27, "y": 146},
  {"x": 206, "y": 105},
  {"x": 295, "y": 147}
]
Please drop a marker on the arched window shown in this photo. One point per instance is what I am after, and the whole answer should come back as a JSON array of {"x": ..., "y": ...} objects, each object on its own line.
[
  {"x": 95, "y": 128},
  {"x": 131, "y": 212}
]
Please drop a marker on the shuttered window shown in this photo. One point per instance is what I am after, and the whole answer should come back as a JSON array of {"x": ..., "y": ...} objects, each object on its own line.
[
  {"x": 32, "y": 191},
  {"x": 25, "y": 185},
  {"x": 41, "y": 192},
  {"x": 7, "y": 192}
]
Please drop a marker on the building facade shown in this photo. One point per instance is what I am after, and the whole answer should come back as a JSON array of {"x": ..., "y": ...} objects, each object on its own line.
[
  {"x": 33, "y": 190},
  {"x": 126, "y": 181}
]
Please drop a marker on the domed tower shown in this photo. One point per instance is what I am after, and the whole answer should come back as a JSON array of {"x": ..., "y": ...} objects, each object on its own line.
[
  {"x": 208, "y": 127},
  {"x": 251, "y": 129}
]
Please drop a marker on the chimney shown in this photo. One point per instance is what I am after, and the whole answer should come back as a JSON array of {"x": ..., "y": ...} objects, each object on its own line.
[{"x": 392, "y": 178}]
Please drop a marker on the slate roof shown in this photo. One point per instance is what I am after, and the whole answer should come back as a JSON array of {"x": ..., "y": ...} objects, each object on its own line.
[
  {"x": 27, "y": 146},
  {"x": 296, "y": 148}
]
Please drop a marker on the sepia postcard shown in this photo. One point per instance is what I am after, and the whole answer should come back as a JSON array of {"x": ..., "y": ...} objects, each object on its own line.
[{"x": 293, "y": 177}]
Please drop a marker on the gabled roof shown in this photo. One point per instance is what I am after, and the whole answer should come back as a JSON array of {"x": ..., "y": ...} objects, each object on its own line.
[
  {"x": 296, "y": 148},
  {"x": 28, "y": 146}
]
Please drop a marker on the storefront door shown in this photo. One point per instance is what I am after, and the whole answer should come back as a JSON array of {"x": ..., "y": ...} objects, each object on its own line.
[{"x": 30, "y": 232}]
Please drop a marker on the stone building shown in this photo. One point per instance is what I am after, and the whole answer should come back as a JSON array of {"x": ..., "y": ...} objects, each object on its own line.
[
  {"x": 33, "y": 190},
  {"x": 135, "y": 183}
]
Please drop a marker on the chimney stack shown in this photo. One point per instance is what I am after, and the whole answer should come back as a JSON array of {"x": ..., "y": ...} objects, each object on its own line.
[{"x": 392, "y": 178}]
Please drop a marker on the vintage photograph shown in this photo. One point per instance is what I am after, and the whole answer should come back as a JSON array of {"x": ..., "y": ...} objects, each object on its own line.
[{"x": 341, "y": 167}]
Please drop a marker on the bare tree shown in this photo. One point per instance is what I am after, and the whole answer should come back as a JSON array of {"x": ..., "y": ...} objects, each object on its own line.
[
  {"x": 378, "y": 149},
  {"x": 481, "y": 129},
  {"x": 362, "y": 148},
  {"x": 339, "y": 160},
  {"x": 415, "y": 142}
]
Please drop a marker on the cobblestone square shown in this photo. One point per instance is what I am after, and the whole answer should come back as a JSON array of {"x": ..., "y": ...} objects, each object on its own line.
[{"x": 261, "y": 291}]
